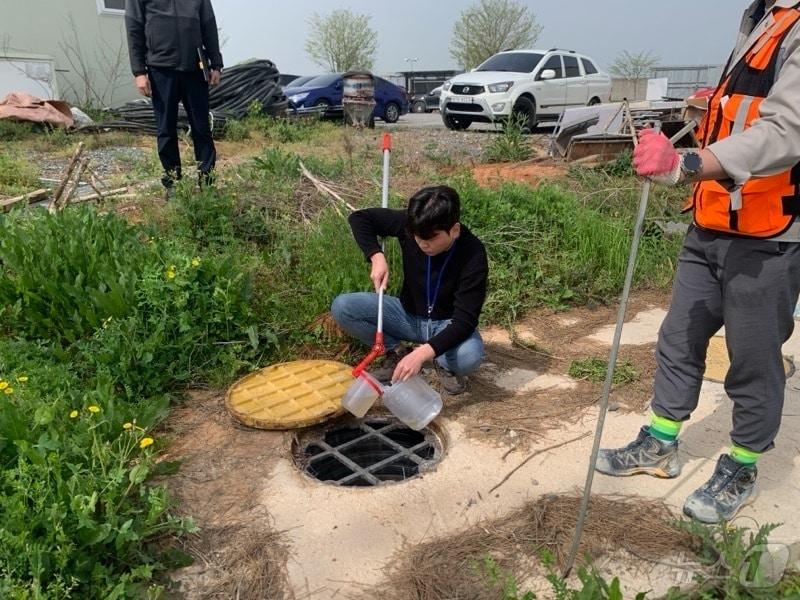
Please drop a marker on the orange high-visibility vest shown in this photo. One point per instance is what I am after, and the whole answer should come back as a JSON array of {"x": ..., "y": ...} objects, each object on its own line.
[{"x": 766, "y": 206}]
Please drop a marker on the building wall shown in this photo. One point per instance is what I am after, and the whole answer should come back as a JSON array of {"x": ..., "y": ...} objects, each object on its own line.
[{"x": 89, "y": 47}]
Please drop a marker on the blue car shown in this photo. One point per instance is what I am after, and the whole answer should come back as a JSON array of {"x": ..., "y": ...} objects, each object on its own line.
[{"x": 325, "y": 93}]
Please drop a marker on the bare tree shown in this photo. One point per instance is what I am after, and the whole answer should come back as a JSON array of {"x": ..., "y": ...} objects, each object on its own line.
[
  {"x": 97, "y": 75},
  {"x": 490, "y": 26},
  {"x": 634, "y": 67},
  {"x": 342, "y": 41}
]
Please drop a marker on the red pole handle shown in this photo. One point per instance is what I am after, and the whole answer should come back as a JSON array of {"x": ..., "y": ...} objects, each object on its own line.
[
  {"x": 378, "y": 349},
  {"x": 387, "y": 142}
]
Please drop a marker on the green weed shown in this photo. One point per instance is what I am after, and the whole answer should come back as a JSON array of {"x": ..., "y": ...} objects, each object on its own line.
[
  {"x": 594, "y": 370},
  {"x": 17, "y": 175},
  {"x": 512, "y": 145},
  {"x": 76, "y": 511}
]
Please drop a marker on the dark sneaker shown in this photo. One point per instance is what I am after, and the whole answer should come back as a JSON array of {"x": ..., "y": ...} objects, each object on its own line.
[
  {"x": 731, "y": 487},
  {"x": 385, "y": 370},
  {"x": 206, "y": 179},
  {"x": 451, "y": 383},
  {"x": 646, "y": 454}
]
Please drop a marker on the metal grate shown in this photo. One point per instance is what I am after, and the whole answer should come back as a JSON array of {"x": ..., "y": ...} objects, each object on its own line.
[{"x": 369, "y": 453}]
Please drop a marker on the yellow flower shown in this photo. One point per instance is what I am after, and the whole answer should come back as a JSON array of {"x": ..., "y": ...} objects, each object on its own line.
[
  {"x": 22, "y": 378},
  {"x": 73, "y": 414},
  {"x": 94, "y": 409},
  {"x": 107, "y": 321},
  {"x": 172, "y": 271},
  {"x": 196, "y": 262},
  {"x": 3, "y": 385},
  {"x": 127, "y": 426},
  {"x": 145, "y": 443},
  {"x": 9, "y": 391}
]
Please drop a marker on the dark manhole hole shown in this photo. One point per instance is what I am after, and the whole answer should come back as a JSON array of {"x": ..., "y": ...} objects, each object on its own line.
[{"x": 368, "y": 452}]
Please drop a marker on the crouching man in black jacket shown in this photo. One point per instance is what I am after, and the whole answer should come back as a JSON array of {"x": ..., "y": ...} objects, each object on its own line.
[
  {"x": 445, "y": 270},
  {"x": 166, "y": 40}
]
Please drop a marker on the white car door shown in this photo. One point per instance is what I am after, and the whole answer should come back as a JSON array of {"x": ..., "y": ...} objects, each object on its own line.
[
  {"x": 577, "y": 85},
  {"x": 598, "y": 84},
  {"x": 551, "y": 94}
]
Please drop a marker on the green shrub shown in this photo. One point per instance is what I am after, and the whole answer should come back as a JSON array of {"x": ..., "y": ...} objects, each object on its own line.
[
  {"x": 236, "y": 131},
  {"x": 76, "y": 514},
  {"x": 546, "y": 247},
  {"x": 15, "y": 131}
]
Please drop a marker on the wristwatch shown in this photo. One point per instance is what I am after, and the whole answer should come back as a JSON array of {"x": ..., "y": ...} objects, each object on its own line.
[{"x": 691, "y": 166}]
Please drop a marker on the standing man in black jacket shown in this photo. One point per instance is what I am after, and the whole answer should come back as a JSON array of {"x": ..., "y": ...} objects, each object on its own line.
[
  {"x": 167, "y": 39},
  {"x": 445, "y": 271}
]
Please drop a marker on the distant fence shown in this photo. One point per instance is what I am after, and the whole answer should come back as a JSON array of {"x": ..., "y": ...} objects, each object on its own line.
[{"x": 683, "y": 82}]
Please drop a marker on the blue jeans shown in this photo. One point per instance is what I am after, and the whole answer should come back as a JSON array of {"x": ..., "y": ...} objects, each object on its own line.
[{"x": 357, "y": 314}]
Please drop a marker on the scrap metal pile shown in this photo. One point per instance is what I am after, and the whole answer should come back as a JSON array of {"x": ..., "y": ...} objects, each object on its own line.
[
  {"x": 240, "y": 87},
  {"x": 604, "y": 131}
]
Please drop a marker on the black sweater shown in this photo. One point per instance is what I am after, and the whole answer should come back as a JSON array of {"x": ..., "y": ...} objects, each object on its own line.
[
  {"x": 463, "y": 289},
  {"x": 167, "y": 34}
]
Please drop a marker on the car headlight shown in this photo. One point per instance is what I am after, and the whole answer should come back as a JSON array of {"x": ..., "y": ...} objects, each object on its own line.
[
  {"x": 501, "y": 87},
  {"x": 447, "y": 85},
  {"x": 298, "y": 98}
]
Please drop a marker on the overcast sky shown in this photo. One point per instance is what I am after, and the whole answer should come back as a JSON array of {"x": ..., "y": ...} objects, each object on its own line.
[{"x": 678, "y": 31}]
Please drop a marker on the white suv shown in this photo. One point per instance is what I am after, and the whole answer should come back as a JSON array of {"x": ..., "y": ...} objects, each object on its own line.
[{"x": 534, "y": 85}]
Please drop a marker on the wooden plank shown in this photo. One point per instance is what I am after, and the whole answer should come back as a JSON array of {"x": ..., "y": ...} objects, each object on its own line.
[{"x": 9, "y": 203}]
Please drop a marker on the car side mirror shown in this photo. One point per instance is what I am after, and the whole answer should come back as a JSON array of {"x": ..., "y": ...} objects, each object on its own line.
[{"x": 547, "y": 74}]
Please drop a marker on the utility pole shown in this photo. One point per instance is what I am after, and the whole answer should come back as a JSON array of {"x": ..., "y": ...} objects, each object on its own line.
[{"x": 412, "y": 61}]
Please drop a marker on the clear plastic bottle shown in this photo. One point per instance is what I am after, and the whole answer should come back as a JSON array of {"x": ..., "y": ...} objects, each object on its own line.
[
  {"x": 362, "y": 394},
  {"x": 414, "y": 402}
]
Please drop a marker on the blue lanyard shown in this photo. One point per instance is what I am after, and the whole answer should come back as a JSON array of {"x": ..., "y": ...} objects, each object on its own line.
[{"x": 432, "y": 299}]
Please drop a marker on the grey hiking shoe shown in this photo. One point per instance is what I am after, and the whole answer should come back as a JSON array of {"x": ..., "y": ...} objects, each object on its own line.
[
  {"x": 385, "y": 370},
  {"x": 646, "y": 454},
  {"x": 731, "y": 487},
  {"x": 451, "y": 383}
]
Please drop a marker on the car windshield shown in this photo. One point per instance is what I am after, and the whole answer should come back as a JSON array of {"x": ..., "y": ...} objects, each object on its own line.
[
  {"x": 300, "y": 81},
  {"x": 323, "y": 81},
  {"x": 513, "y": 62}
]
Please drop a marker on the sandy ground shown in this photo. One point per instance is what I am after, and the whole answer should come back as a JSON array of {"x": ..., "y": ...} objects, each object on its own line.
[{"x": 341, "y": 540}]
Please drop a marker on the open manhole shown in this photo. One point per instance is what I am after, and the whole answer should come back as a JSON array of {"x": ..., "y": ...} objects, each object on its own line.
[{"x": 367, "y": 452}]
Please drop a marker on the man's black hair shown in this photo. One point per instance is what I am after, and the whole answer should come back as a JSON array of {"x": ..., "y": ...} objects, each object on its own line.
[{"x": 433, "y": 209}]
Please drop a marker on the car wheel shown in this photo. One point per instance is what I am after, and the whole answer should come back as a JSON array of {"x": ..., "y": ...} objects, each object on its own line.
[
  {"x": 391, "y": 114},
  {"x": 418, "y": 107},
  {"x": 524, "y": 113},
  {"x": 456, "y": 122},
  {"x": 594, "y": 101}
]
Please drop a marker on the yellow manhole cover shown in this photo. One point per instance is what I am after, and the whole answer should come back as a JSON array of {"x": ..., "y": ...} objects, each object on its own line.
[
  {"x": 717, "y": 362},
  {"x": 290, "y": 395}
]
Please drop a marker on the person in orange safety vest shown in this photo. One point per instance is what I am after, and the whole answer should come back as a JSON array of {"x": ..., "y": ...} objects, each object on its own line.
[{"x": 739, "y": 266}]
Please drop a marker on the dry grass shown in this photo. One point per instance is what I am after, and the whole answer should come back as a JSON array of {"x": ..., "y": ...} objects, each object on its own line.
[
  {"x": 242, "y": 563},
  {"x": 451, "y": 568}
]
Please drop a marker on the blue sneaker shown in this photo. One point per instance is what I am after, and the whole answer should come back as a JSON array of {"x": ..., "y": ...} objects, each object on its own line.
[
  {"x": 731, "y": 487},
  {"x": 646, "y": 454}
]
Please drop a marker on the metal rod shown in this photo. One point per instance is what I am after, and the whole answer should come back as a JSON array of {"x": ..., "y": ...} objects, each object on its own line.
[{"x": 612, "y": 363}]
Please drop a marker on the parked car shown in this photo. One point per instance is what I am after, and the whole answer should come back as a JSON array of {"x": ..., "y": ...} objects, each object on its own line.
[
  {"x": 426, "y": 103},
  {"x": 532, "y": 85},
  {"x": 325, "y": 91},
  {"x": 297, "y": 82}
]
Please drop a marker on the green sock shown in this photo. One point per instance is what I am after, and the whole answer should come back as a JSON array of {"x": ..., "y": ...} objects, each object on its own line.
[
  {"x": 665, "y": 429},
  {"x": 743, "y": 456}
]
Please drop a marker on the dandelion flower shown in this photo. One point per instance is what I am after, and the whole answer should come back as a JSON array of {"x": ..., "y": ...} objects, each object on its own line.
[
  {"x": 9, "y": 391},
  {"x": 73, "y": 414},
  {"x": 145, "y": 443},
  {"x": 196, "y": 262},
  {"x": 3, "y": 385},
  {"x": 172, "y": 271},
  {"x": 22, "y": 378},
  {"x": 94, "y": 409},
  {"x": 127, "y": 426}
]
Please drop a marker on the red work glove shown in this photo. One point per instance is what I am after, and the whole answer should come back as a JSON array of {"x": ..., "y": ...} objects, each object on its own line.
[{"x": 655, "y": 155}]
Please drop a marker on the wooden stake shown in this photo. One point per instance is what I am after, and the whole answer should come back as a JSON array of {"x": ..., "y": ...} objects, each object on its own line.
[{"x": 68, "y": 174}]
